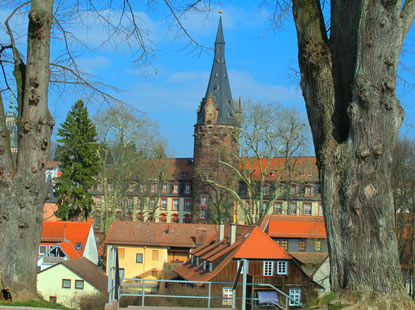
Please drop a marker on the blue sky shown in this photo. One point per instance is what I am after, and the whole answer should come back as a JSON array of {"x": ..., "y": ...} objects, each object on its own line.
[{"x": 262, "y": 65}]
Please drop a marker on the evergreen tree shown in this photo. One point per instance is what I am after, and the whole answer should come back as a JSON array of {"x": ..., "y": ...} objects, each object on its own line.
[{"x": 77, "y": 152}]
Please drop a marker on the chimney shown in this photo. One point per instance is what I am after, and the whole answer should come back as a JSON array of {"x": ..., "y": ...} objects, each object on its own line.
[
  {"x": 221, "y": 232},
  {"x": 233, "y": 233},
  {"x": 200, "y": 236}
]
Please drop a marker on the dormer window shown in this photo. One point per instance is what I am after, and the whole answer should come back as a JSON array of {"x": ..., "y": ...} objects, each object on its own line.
[
  {"x": 191, "y": 259},
  {"x": 210, "y": 267},
  {"x": 78, "y": 246},
  {"x": 197, "y": 261},
  {"x": 204, "y": 265}
]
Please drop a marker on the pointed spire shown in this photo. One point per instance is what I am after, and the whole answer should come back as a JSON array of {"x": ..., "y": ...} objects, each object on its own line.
[
  {"x": 219, "y": 36},
  {"x": 219, "y": 88}
]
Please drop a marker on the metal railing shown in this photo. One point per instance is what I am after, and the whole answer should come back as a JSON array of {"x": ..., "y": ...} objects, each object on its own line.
[{"x": 115, "y": 293}]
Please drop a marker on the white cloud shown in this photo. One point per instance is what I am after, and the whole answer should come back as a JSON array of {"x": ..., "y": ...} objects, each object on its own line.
[{"x": 90, "y": 65}]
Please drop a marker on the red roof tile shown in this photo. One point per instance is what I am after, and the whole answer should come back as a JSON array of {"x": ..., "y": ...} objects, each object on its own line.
[
  {"x": 51, "y": 164},
  {"x": 69, "y": 250},
  {"x": 159, "y": 234},
  {"x": 49, "y": 210},
  {"x": 293, "y": 226},
  {"x": 259, "y": 245},
  {"x": 305, "y": 168},
  {"x": 72, "y": 232}
]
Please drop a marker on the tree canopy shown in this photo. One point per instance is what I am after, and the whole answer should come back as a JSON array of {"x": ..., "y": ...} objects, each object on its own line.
[{"x": 79, "y": 162}]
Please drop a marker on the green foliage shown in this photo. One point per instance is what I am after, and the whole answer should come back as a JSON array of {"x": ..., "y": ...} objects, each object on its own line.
[
  {"x": 34, "y": 304},
  {"x": 77, "y": 152},
  {"x": 92, "y": 301}
]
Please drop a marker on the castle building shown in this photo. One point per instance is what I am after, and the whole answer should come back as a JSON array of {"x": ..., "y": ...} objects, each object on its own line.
[
  {"x": 190, "y": 195},
  {"x": 216, "y": 137}
]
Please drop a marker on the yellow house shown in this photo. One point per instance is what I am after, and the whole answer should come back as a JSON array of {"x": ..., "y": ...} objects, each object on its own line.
[
  {"x": 144, "y": 249},
  {"x": 65, "y": 282}
]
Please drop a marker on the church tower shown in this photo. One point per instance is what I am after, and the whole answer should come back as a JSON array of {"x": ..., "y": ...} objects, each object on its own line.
[
  {"x": 216, "y": 137},
  {"x": 11, "y": 123}
]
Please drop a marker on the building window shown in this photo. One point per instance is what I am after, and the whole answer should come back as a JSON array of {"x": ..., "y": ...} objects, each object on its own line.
[
  {"x": 282, "y": 267},
  {"x": 98, "y": 201},
  {"x": 175, "y": 218},
  {"x": 203, "y": 200},
  {"x": 66, "y": 283},
  {"x": 175, "y": 188},
  {"x": 320, "y": 210},
  {"x": 284, "y": 244},
  {"x": 293, "y": 209},
  {"x": 278, "y": 208},
  {"x": 301, "y": 246},
  {"x": 78, "y": 246},
  {"x": 53, "y": 299},
  {"x": 163, "y": 218},
  {"x": 139, "y": 258},
  {"x": 187, "y": 204},
  {"x": 155, "y": 255},
  {"x": 164, "y": 188},
  {"x": 109, "y": 187},
  {"x": 163, "y": 204},
  {"x": 317, "y": 245},
  {"x": 295, "y": 296},
  {"x": 142, "y": 188},
  {"x": 131, "y": 187},
  {"x": 100, "y": 188},
  {"x": 268, "y": 268},
  {"x": 187, "y": 189},
  {"x": 130, "y": 203},
  {"x": 175, "y": 205},
  {"x": 264, "y": 206},
  {"x": 293, "y": 189},
  {"x": 227, "y": 296},
  {"x": 79, "y": 284},
  {"x": 265, "y": 190},
  {"x": 203, "y": 213},
  {"x": 308, "y": 190},
  {"x": 153, "y": 188},
  {"x": 121, "y": 273},
  {"x": 43, "y": 249},
  {"x": 152, "y": 204},
  {"x": 307, "y": 208}
]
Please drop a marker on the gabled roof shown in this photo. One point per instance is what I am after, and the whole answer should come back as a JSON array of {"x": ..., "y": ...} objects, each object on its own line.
[
  {"x": 68, "y": 232},
  {"x": 159, "y": 234},
  {"x": 86, "y": 270},
  {"x": 259, "y": 245},
  {"x": 293, "y": 226},
  {"x": 69, "y": 250}
]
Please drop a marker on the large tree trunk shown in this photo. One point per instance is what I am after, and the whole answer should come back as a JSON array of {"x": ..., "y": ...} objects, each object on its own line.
[
  {"x": 22, "y": 187},
  {"x": 349, "y": 85}
]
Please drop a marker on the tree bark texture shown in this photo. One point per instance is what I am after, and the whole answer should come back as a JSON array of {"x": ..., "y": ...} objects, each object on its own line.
[
  {"x": 349, "y": 85},
  {"x": 22, "y": 187}
]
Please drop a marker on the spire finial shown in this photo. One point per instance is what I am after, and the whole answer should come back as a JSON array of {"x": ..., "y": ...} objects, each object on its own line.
[{"x": 220, "y": 11}]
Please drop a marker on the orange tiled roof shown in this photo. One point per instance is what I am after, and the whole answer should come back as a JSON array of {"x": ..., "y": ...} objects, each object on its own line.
[
  {"x": 71, "y": 232},
  {"x": 49, "y": 210},
  {"x": 159, "y": 234},
  {"x": 260, "y": 246},
  {"x": 51, "y": 164},
  {"x": 293, "y": 226},
  {"x": 305, "y": 168},
  {"x": 69, "y": 250}
]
